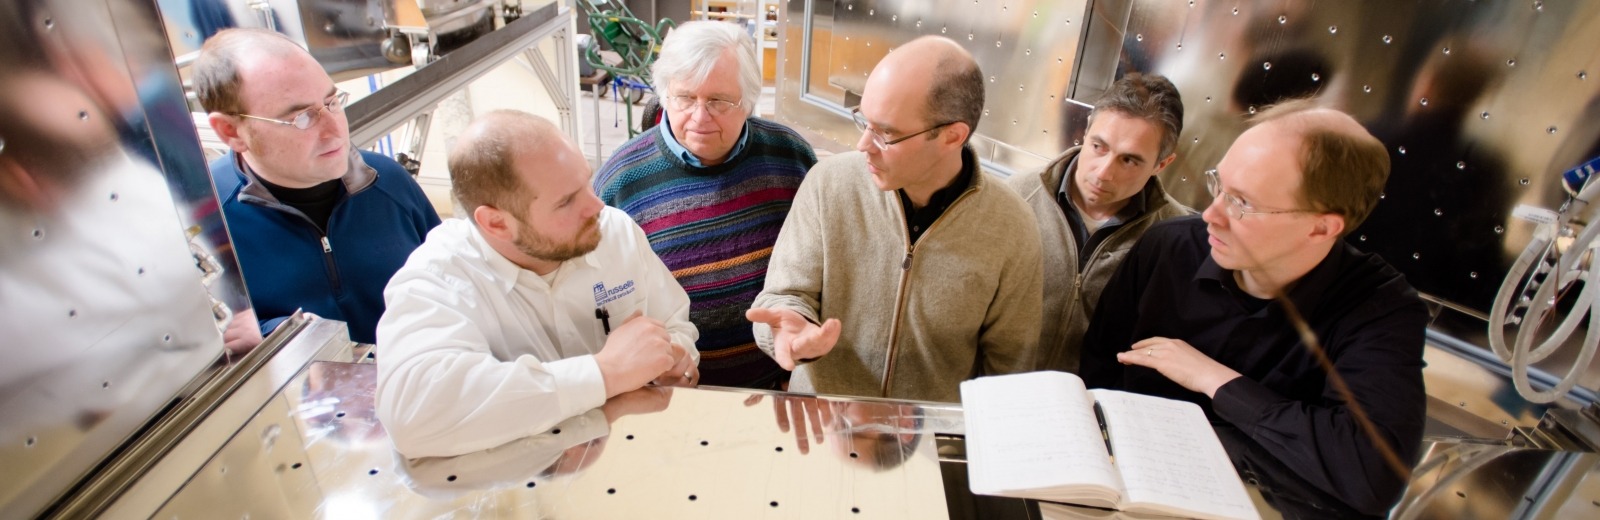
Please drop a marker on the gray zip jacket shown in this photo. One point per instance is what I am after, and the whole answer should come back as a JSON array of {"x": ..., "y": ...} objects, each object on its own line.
[
  {"x": 917, "y": 320},
  {"x": 1070, "y": 294}
]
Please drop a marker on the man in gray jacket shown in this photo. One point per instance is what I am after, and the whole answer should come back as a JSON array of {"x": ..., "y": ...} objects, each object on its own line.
[
  {"x": 922, "y": 269},
  {"x": 1094, "y": 201}
]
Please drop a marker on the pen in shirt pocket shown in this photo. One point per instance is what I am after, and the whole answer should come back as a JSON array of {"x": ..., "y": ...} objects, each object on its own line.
[{"x": 604, "y": 316}]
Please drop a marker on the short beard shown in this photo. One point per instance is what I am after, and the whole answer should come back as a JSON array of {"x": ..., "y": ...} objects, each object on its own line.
[{"x": 530, "y": 242}]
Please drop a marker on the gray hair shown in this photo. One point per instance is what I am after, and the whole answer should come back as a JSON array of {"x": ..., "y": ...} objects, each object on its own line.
[
  {"x": 1149, "y": 97},
  {"x": 690, "y": 51}
]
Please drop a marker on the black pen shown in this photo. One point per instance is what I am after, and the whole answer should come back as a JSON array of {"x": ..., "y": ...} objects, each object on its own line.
[
  {"x": 1105, "y": 434},
  {"x": 601, "y": 314}
]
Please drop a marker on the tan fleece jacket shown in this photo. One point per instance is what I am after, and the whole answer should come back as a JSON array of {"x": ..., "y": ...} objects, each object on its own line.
[
  {"x": 1070, "y": 294},
  {"x": 917, "y": 321}
]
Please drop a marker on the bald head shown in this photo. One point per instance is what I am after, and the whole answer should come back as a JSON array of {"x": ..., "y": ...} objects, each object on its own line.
[
  {"x": 1343, "y": 167},
  {"x": 219, "y": 70},
  {"x": 954, "y": 91},
  {"x": 484, "y": 159}
]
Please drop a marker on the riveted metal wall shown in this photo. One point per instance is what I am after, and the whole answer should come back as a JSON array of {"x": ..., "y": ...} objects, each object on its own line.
[{"x": 1482, "y": 104}]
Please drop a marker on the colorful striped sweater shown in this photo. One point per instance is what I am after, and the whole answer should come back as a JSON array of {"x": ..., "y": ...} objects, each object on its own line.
[{"x": 714, "y": 228}]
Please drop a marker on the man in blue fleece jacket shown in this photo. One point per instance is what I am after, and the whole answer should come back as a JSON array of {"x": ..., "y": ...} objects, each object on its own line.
[{"x": 315, "y": 224}]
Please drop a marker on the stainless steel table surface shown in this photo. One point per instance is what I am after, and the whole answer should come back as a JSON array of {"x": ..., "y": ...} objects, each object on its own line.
[{"x": 316, "y": 450}]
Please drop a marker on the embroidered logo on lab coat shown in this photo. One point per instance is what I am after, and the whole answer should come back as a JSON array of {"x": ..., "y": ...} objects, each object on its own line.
[{"x": 603, "y": 296}]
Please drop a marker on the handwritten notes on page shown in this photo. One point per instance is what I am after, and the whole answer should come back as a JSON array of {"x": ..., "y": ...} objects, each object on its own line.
[{"x": 1035, "y": 431}]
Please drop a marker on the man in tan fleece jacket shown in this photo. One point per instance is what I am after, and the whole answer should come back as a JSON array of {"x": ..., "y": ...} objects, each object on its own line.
[
  {"x": 1094, "y": 201},
  {"x": 919, "y": 267}
]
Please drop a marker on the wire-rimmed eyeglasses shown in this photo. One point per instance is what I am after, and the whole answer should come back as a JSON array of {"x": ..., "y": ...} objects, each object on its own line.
[
  {"x": 1237, "y": 207},
  {"x": 308, "y": 117},
  {"x": 883, "y": 143},
  {"x": 716, "y": 107}
]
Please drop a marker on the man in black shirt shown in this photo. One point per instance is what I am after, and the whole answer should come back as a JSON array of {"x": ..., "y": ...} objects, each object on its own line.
[{"x": 1207, "y": 309}]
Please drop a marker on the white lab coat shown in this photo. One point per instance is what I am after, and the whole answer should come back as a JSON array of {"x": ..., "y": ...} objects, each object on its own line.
[{"x": 474, "y": 351}]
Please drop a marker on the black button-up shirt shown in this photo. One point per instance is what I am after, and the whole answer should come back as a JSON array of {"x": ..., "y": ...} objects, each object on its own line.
[
  {"x": 1368, "y": 320},
  {"x": 919, "y": 219}
]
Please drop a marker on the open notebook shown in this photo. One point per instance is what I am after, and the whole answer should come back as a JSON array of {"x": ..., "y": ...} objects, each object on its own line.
[{"x": 1039, "y": 435}]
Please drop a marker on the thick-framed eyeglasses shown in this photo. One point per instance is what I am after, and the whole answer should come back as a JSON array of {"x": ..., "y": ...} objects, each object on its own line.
[
  {"x": 308, "y": 117},
  {"x": 883, "y": 143},
  {"x": 716, "y": 107},
  {"x": 1238, "y": 208}
]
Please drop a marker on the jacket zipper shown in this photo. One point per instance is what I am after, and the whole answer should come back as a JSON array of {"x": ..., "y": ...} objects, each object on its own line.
[
  {"x": 327, "y": 260},
  {"x": 905, "y": 280},
  {"x": 327, "y": 246},
  {"x": 1077, "y": 282}
]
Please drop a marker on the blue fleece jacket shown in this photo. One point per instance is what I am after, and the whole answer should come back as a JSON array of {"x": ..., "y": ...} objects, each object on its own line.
[{"x": 289, "y": 263}]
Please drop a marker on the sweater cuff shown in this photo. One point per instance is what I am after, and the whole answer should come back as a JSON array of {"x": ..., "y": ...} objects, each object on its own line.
[
  {"x": 1241, "y": 401},
  {"x": 579, "y": 385}
]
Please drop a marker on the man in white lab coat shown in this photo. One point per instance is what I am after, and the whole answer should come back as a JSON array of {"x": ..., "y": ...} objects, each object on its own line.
[{"x": 538, "y": 306}]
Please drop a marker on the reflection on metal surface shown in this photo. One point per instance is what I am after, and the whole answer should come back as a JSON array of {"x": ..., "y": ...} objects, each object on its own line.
[
  {"x": 1465, "y": 96},
  {"x": 1479, "y": 481},
  {"x": 172, "y": 452},
  {"x": 102, "y": 308},
  {"x": 316, "y": 450},
  {"x": 1482, "y": 106}
]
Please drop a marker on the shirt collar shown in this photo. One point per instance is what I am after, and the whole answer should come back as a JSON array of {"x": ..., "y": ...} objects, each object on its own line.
[
  {"x": 357, "y": 177},
  {"x": 683, "y": 153},
  {"x": 508, "y": 274},
  {"x": 1306, "y": 292},
  {"x": 1131, "y": 210}
]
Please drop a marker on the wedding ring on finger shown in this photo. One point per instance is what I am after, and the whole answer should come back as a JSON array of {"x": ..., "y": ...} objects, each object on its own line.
[{"x": 1150, "y": 352}]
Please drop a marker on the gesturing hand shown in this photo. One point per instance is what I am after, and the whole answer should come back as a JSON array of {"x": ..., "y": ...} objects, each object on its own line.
[
  {"x": 793, "y": 338},
  {"x": 1180, "y": 362}
]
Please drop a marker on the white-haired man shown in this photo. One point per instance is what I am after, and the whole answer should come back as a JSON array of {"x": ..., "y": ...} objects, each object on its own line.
[{"x": 711, "y": 187}]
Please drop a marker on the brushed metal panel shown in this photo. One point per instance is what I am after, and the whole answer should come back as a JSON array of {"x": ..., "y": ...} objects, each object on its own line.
[
  {"x": 103, "y": 309},
  {"x": 1482, "y": 106},
  {"x": 315, "y": 450}
]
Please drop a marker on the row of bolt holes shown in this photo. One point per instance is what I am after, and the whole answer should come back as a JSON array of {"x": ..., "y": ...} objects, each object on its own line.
[
  {"x": 1266, "y": 64},
  {"x": 1332, "y": 29},
  {"x": 73, "y": 313},
  {"x": 609, "y": 491},
  {"x": 692, "y": 498}
]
